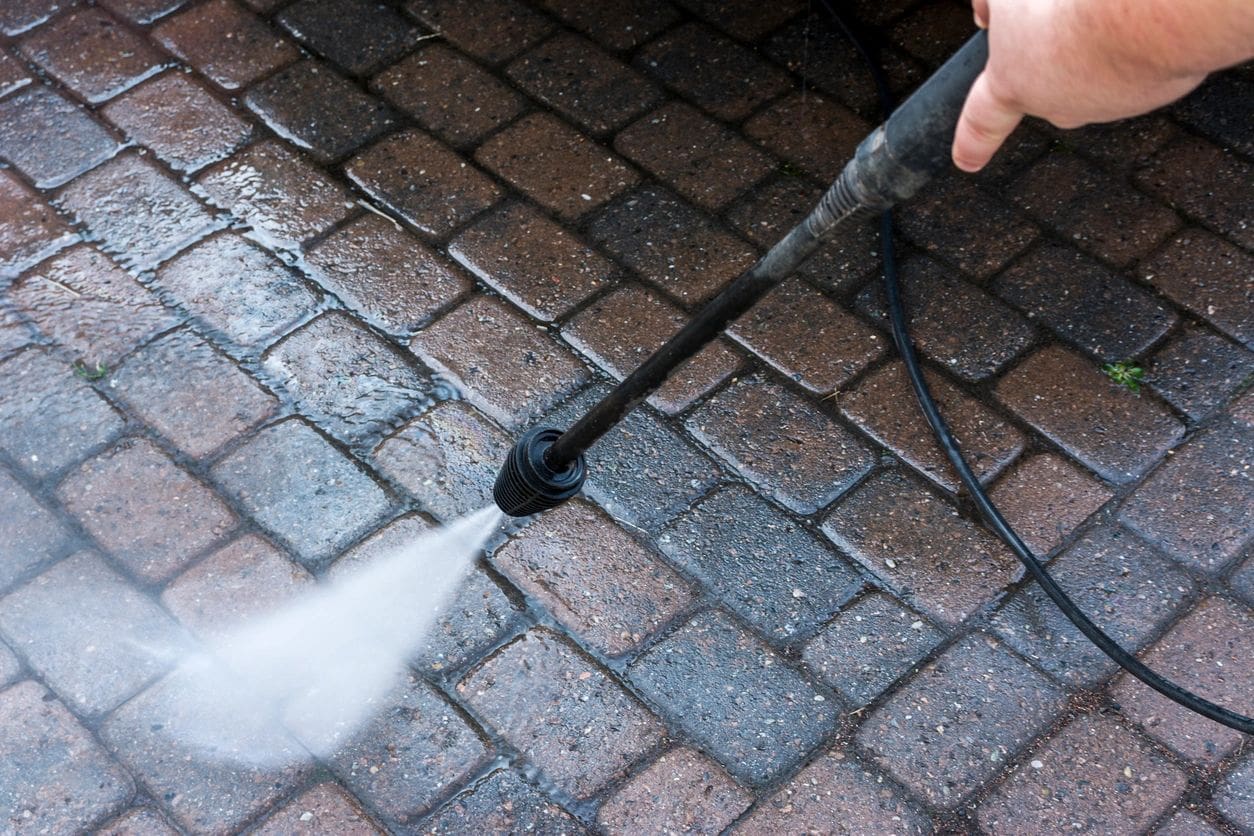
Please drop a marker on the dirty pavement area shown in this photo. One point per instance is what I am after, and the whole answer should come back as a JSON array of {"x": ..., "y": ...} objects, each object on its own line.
[{"x": 282, "y": 280}]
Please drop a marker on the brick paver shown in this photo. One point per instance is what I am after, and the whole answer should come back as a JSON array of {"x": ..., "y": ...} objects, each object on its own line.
[{"x": 281, "y": 281}]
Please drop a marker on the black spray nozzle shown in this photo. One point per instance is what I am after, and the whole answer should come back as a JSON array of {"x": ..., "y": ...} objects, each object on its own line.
[{"x": 527, "y": 484}]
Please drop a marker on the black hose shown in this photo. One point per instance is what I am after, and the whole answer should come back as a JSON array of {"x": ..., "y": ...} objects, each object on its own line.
[{"x": 992, "y": 516}]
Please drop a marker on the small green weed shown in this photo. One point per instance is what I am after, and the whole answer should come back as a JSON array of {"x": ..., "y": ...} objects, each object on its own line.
[
  {"x": 1125, "y": 374},
  {"x": 791, "y": 169},
  {"x": 87, "y": 372}
]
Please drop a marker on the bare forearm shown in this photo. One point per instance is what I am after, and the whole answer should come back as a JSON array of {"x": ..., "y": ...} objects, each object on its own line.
[{"x": 1179, "y": 37}]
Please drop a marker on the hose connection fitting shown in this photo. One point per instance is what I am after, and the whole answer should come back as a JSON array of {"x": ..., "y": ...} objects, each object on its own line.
[{"x": 527, "y": 484}]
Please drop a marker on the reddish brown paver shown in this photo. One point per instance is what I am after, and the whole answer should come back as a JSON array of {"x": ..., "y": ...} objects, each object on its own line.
[
  {"x": 682, "y": 791},
  {"x": 614, "y": 595},
  {"x": 1094, "y": 774},
  {"x": 1197, "y": 371},
  {"x": 227, "y": 44},
  {"x": 702, "y": 160},
  {"x": 500, "y": 361},
  {"x": 1207, "y": 652},
  {"x": 813, "y": 134},
  {"x": 31, "y": 533},
  {"x": 556, "y": 166},
  {"x": 138, "y": 821},
  {"x": 326, "y": 808},
  {"x": 56, "y": 776},
  {"x": 1045, "y": 497},
  {"x": 1235, "y": 798},
  {"x": 13, "y": 74},
  {"x": 1206, "y": 183},
  {"x": 21, "y": 15},
  {"x": 920, "y": 548},
  {"x": 423, "y": 182},
  {"x": 355, "y": 34},
  {"x": 796, "y": 454},
  {"x": 1108, "y": 428},
  {"x": 50, "y": 139},
  {"x": 550, "y": 702},
  {"x": 142, "y": 11},
  {"x": 601, "y": 332},
  {"x": 147, "y": 512},
  {"x": 1208, "y": 276},
  {"x": 883, "y": 404},
  {"x": 532, "y": 261},
  {"x": 491, "y": 30},
  {"x": 32, "y": 229},
  {"x": 620, "y": 26},
  {"x": 835, "y": 791},
  {"x": 93, "y": 54},
  {"x": 502, "y": 803}
]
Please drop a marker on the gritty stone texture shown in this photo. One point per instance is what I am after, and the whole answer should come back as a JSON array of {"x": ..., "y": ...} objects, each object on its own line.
[
  {"x": 358, "y": 35},
  {"x": 556, "y": 166},
  {"x": 31, "y": 534},
  {"x": 1185, "y": 823},
  {"x": 92, "y": 54},
  {"x": 203, "y": 790},
  {"x": 491, "y": 30},
  {"x": 700, "y": 159},
  {"x": 869, "y": 646},
  {"x": 10, "y": 666},
  {"x": 1206, "y": 183},
  {"x": 54, "y": 776},
  {"x": 683, "y": 791},
  {"x": 284, "y": 198},
  {"x": 385, "y": 275},
  {"x": 1235, "y": 797},
  {"x": 92, "y": 637},
  {"x": 238, "y": 289},
  {"x": 671, "y": 244},
  {"x": 1216, "y": 109},
  {"x": 137, "y": 211},
  {"x": 1197, "y": 371},
  {"x": 287, "y": 475},
  {"x": 345, "y": 378},
  {"x": 883, "y": 404},
  {"x": 620, "y": 330},
  {"x": 318, "y": 111},
  {"x": 958, "y": 221},
  {"x": 499, "y": 360},
  {"x": 565, "y": 716},
  {"x": 734, "y": 542},
  {"x": 1210, "y": 277},
  {"x": 835, "y": 794},
  {"x": 191, "y": 394},
  {"x": 954, "y": 724},
  {"x": 707, "y": 675},
  {"x": 247, "y": 578},
  {"x": 578, "y": 80},
  {"x": 1045, "y": 497},
  {"x": 814, "y": 135},
  {"x": 423, "y": 181},
  {"x": 807, "y": 337},
  {"x": 1095, "y": 774},
  {"x": 141, "y": 11},
  {"x": 20, "y": 15},
  {"x": 619, "y": 26},
  {"x": 1084, "y": 303},
  {"x": 49, "y": 139},
  {"x": 391, "y": 764},
  {"x": 32, "y": 230},
  {"x": 326, "y": 808},
  {"x": 182, "y": 124},
  {"x": 448, "y": 458},
  {"x": 49, "y": 418},
  {"x": 952, "y": 322},
  {"x": 227, "y": 44},
  {"x": 942, "y": 563},
  {"x": 1108, "y": 428},
  {"x": 798, "y": 455},
  {"x": 150, "y": 515},
  {"x": 138, "y": 821},
  {"x": 1207, "y": 652},
  {"x": 1115, "y": 579},
  {"x": 721, "y": 76},
  {"x": 641, "y": 471},
  {"x": 89, "y": 305},
  {"x": 502, "y": 803},
  {"x": 1092, "y": 208},
  {"x": 532, "y": 261},
  {"x": 1199, "y": 506},
  {"x": 448, "y": 94},
  {"x": 613, "y": 596}
]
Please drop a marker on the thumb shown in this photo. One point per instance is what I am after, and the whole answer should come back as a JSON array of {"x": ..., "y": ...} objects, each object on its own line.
[{"x": 985, "y": 123}]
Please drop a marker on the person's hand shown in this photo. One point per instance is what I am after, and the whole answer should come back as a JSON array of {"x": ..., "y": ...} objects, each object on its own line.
[{"x": 1075, "y": 62}]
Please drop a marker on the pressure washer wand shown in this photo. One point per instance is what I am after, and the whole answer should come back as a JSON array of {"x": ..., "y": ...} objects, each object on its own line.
[{"x": 546, "y": 467}]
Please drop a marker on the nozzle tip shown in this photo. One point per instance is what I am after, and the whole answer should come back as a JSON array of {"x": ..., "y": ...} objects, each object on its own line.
[{"x": 527, "y": 484}]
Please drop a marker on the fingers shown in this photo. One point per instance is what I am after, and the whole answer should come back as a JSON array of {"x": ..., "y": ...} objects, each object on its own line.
[
  {"x": 985, "y": 123},
  {"x": 980, "y": 9}
]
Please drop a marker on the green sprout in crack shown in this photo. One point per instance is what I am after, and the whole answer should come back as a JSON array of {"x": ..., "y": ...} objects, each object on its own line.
[
  {"x": 1125, "y": 374},
  {"x": 87, "y": 372},
  {"x": 791, "y": 169}
]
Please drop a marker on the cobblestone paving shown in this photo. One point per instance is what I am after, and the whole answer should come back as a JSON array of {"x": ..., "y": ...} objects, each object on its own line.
[{"x": 281, "y": 279}]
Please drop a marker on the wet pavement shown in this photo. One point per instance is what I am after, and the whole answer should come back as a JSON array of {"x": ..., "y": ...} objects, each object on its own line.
[{"x": 280, "y": 281}]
